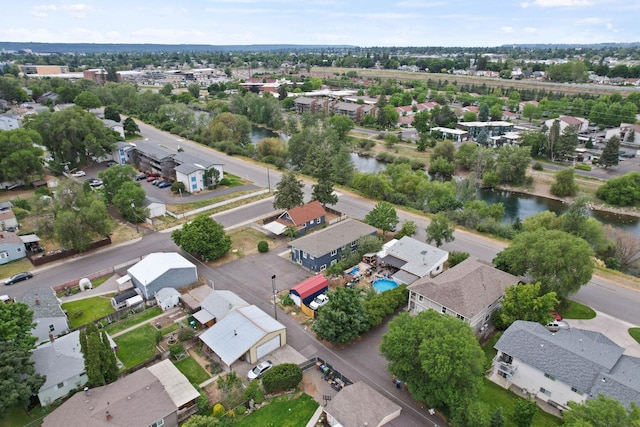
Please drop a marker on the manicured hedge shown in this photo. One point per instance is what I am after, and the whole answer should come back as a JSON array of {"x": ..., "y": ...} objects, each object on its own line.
[{"x": 282, "y": 377}]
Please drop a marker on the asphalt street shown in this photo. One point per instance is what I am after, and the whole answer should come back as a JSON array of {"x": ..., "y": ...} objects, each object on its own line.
[{"x": 250, "y": 277}]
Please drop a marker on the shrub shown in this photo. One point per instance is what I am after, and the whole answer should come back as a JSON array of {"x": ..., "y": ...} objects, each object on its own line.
[
  {"x": 22, "y": 203},
  {"x": 456, "y": 258},
  {"x": 218, "y": 410},
  {"x": 263, "y": 246},
  {"x": 158, "y": 336},
  {"x": 287, "y": 301},
  {"x": 215, "y": 368},
  {"x": 251, "y": 392},
  {"x": 175, "y": 350},
  {"x": 186, "y": 334},
  {"x": 240, "y": 410},
  {"x": 583, "y": 167},
  {"x": 178, "y": 187},
  {"x": 537, "y": 166},
  {"x": 282, "y": 377}
]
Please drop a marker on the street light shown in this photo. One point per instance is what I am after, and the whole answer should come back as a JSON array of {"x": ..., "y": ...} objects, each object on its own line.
[
  {"x": 133, "y": 211},
  {"x": 275, "y": 307}
]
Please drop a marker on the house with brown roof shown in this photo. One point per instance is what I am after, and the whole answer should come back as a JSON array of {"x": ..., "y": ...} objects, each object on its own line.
[
  {"x": 470, "y": 291},
  {"x": 159, "y": 395},
  {"x": 304, "y": 218},
  {"x": 581, "y": 124}
]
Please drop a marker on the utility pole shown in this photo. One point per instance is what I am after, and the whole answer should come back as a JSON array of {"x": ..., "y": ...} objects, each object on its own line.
[{"x": 275, "y": 307}]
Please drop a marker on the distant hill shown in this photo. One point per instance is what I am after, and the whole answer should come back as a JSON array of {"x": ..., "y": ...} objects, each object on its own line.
[
  {"x": 123, "y": 47},
  {"x": 573, "y": 46}
]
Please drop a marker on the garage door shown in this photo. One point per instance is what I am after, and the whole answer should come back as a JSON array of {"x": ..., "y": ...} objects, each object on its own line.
[{"x": 268, "y": 347}]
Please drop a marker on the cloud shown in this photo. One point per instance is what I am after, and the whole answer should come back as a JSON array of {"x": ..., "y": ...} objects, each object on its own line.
[
  {"x": 590, "y": 21},
  {"x": 529, "y": 30},
  {"x": 77, "y": 10},
  {"x": 419, "y": 4},
  {"x": 524, "y": 5},
  {"x": 562, "y": 3},
  {"x": 507, "y": 30}
]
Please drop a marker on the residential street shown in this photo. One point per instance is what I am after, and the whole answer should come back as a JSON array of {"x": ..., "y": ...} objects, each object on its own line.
[{"x": 250, "y": 278}]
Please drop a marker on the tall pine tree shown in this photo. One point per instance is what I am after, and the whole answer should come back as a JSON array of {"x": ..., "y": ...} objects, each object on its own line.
[{"x": 611, "y": 152}]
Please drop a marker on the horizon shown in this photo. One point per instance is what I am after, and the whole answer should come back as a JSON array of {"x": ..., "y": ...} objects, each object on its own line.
[{"x": 374, "y": 23}]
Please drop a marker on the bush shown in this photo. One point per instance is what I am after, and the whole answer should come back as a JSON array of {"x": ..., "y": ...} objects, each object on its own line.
[
  {"x": 186, "y": 334},
  {"x": 176, "y": 350},
  {"x": 240, "y": 410},
  {"x": 158, "y": 336},
  {"x": 282, "y": 377},
  {"x": 22, "y": 203},
  {"x": 380, "y": 306},
  {"x": 177, "y": 187},
  {"x": 287, "y": 301},
  {"x": 583, "y": 167},
  {"x": 456, "y": 258},
  {"x": 537, "y": 166},
  {"x": 218, "y": 410},
  {"x": 263, "y": 246}
]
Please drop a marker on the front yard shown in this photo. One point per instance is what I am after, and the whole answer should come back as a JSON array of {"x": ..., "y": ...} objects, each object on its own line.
[{"x": 136, "y": 346}]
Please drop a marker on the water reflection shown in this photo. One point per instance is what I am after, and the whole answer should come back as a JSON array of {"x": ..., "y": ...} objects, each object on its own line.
[{"x": 367, "y": 164}]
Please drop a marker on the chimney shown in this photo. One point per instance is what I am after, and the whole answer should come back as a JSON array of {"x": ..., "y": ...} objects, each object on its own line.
[
  {"x": 37, "y": 301},
  {"x": 52, "y": 338},
  {"x": 87, "y": 392}
]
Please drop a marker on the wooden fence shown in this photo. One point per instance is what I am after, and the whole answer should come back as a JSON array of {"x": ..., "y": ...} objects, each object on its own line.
[{"x": 45, "y": 258}]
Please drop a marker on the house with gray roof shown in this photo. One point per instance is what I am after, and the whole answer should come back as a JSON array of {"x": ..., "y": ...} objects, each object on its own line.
[
  {"x": 49, "y": 318},
  {"x": 161, "y": 270},
  {"x": 359, "y": 405},
  {"x": 217, "y": 305},
  {"x": 151, "y": 157},
  {"x": 62, "y": 363},
  {"x": 159, "y": 395},
  {"x": 196, "y": 172},
  {"x": 564, "y": 366},
  {"x": 123, "y": 152},
  {"x": 413, "y": 259},
  {"x": 470, "y": 291},
  {"x": 319, "y": 250},
  {"x": 11, "y": 246},
  {"x": 245, "y": 331}
]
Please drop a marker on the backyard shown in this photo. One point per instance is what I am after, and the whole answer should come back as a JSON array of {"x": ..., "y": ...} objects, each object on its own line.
[
  {"x": 133, "y": 320},
  {"x": 192, "y": 370},
  {"x": 85, "y": 311},
  {"x": 136, "y": 346},
  {"x": 288, "y": 411}
]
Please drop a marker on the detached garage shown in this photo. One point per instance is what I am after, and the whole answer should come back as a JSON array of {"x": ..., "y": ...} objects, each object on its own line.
[
  {"x": 246, "y": 333},
  {"x": 305, "y": 292},
  {"x": 162, "y": 270}
]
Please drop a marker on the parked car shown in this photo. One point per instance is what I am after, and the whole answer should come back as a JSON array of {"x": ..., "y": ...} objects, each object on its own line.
[
  {"x": 556, "y": 325},
  {"x": 151, "y": 178},
  {"x": 555, "y": 315},
  {"x": 79, "y": 174},
  {"x": 111, "y": 163},
  {"x": 259, "y": 370},
  {"x": 141, "y": 176},
  {"x": 164, "y": 184},
  {"x": 18, "y": 278},
  {"x": 319, "y": 301}
]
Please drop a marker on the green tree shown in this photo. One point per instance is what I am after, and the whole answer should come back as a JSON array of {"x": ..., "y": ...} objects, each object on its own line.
[
  {"x": 20, "y": 155},
  {"x": 567, "y": 142},
  {"x": 113, "y": 178},
  {"x": 87, "y": 100},
  {"x": 552, "y": 140},
  {"x": 438, "y": 357},
  {"x": 343, "y": 318},
  {"x": 88, "y": 138},
  {"x": 439, "y": 230},
  {"x": 409, "y": 228},
  {"x": 565, "y": 184},
  {"x": 288, "y": 192},
  {"x": 130, "y": 127},
  {"x": 322, "y": 191},
  {"x": 482, "y": 139},
  {"x": 529, "y": 111},
  {"x": 601, "y": 412},
  {"x": 512, "y": 164},
  {"x": 598, "y": 114},
  {"x": 112, "y": 113},
  {"x": 523, "y": 412},
  {"x": 203, "y": 237},
  {"x": 497, "y": 419},
  {"x": 444, "y": 150},
  {"x": 381, "y": 112},
  {"x": 525, "y": 302},
  {"x": 483, "y": 112},
  {"x": 166, "y": 89},
  {"x": 129, "y": 200},
  {"x": 18, "y": 377},
  {"x": 194, "y": 90},
  {"x": 442, "y": 168},
  {"x": 342, "y": 167},
  {"x": 466, "y": 154},
  {"x": 621, "y": 191},
  {"x": 611, "y": 153},
  {"x": 626, "y": 248},
  {"x": 230, "y": 127},
  {"x": 558, "y": 260},
  {"x": 341, "y": 124},
  {"x": 382, "y": 216}
]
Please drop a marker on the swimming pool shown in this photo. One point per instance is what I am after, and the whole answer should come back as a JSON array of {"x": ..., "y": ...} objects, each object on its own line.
[
  {"x": 382, "y": 285},
  {"x": 354, "y": 271}
]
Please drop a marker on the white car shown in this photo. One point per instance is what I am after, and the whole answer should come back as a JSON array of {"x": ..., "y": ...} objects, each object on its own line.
[
  {"x": 79, "y": 174},
  {"x": 319, "y": 301},
  {"x": 259, "y": 370}
]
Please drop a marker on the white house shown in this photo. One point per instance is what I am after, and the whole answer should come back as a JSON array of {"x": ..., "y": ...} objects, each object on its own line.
[
  {"x": 627, "y": 132},
  {"x": 161, "y": 270},
  {"x": 413, "y": 259},
  {"x": 49, "y": 319},
  {"x": 8, "y": 122},
  {"x": 581, "y": 124},
  {"x": 156, "y": 207},
  {"x": 564, "y": 366},
  {"x": 195, "y": 172},
  {"x": 62, "y": 362},
  {"x": 217, "y": 305},
  {"x": 470, "y": 291},
  {"x": 167, "y": 298}
]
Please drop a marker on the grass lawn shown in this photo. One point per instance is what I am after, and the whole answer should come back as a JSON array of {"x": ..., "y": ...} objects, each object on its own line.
[
  {"x": 136, "y": 346},
  {"x": 8, "y": 270},
  {"x": 288, "y": 413},
  {"x": 17, "y": 417},
  {"x": 496, "y": 397},
  {"x": 85, "y": 311},
  {"x": 574, "y": 310},
  {"x": 635, "y": 334},
  {"x": 171, "y": 328},
  {"x": 133, "y": 320},
  {"x": 192, "y": 370},
  {"x": 489, "y": 351}
]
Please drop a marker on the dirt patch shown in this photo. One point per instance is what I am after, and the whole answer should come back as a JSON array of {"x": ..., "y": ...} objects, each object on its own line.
[{"x": 244, "y": 242}]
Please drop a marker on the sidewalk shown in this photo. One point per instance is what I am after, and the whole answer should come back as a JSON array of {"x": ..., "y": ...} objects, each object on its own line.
[{"x": 615, "y": 329}]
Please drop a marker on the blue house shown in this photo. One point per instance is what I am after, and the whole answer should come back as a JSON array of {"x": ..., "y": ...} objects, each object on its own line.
[
  {"x": 11, "y": 247},
  {"x": 326, "y": 247},
  {"x": 304, "y": 218}
]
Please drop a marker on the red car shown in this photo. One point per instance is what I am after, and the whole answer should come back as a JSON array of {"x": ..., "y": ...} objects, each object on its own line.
[{"x": 556, "y": 315}]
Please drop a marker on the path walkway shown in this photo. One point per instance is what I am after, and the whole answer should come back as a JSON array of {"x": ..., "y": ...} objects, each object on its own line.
[{"x": 175, "y": 311}]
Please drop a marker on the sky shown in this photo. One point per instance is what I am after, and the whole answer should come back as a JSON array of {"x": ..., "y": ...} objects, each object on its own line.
[{"x": 365, "y": 23}]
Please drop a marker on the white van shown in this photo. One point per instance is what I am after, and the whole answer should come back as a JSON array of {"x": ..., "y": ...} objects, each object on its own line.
[{"x": 556, "y": 325}]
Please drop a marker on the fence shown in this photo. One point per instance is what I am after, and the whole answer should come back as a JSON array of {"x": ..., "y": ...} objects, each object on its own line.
[
  {"x": 62, "y": 254},
  {"x": 93, "y": 276},
  {"x": 217, "y": 205},
  {"x": 328, "y": 371}
]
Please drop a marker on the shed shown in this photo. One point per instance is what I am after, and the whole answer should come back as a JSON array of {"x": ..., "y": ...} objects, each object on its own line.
[
  {"x": 304, "y": 292},
  {"x": 120, "y": 301},
  {"x": 130, "y": 302},
  {"x": 167, "y": 298},
  {"x": 162, "y": 270}
]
